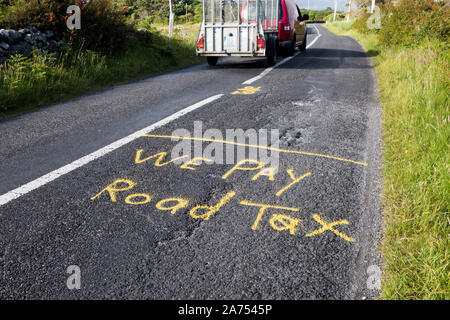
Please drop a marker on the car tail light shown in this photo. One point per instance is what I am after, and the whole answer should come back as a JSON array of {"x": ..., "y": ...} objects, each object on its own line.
[
  {"x": 261, "y": 44},
  {"x": 201, "y": 42}
]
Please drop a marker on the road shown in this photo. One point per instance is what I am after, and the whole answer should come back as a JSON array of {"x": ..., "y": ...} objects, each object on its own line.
[{"x": 80, "y": 188}]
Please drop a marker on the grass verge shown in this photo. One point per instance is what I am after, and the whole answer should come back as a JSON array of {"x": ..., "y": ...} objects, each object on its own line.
[
  {"x": 414, "y": 94},
  {"x": 29, "y": 83}
]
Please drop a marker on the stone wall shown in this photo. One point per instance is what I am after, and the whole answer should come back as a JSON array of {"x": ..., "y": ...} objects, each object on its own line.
[{"x": 24, "y": 40}]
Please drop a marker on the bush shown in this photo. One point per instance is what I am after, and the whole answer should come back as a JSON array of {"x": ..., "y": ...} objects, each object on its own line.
[
  {"x": 102, "y": 25},
  {"x": 2, "y": 14},
  {"x": 145, "y": 23},
  {"x": 360, "y": 24},
  {"x": 412, "y": 21},
  {"x": 42, "y": 14}
]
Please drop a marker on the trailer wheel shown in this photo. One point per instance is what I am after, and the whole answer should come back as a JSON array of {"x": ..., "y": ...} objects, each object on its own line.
[
  {"x": 271, "y": 50},
  {"x": 302, "y": 47},
  {"x": 212, "y": 61}
]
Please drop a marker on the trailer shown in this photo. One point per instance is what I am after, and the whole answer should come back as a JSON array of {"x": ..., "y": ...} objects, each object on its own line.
[{"x": 244, "y": 28}]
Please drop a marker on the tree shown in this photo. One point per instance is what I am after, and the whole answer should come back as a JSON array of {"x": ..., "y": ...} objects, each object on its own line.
[{"x": 159, "y": 10}]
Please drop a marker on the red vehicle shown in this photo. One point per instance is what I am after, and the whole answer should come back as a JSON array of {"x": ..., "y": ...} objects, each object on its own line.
[
  {"x": 251, "y": 28},
  {"x": 291, "y": 28}
]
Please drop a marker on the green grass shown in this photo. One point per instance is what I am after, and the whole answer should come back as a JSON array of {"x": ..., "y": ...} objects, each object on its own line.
[
  {"x": 414, "y": 93},
  {"x": 29, "y": 83},
  {"x": 184, "y": 31}
]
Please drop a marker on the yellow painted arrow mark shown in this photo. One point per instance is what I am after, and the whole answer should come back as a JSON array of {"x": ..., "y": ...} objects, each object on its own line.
[{"x": 247, "y": 90}]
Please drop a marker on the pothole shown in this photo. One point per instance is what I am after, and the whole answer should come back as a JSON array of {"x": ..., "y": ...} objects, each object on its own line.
[{"x": 295, "y": 136}]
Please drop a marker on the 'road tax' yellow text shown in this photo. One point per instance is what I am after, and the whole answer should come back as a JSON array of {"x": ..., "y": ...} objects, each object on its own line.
[{"x": 277, "y": 221}]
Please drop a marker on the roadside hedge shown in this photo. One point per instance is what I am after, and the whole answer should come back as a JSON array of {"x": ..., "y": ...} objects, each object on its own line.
[{"x": 411, "y": 22}]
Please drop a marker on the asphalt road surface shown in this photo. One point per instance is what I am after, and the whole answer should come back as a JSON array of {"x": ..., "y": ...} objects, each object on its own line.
[{"x": 79, "y": 186}]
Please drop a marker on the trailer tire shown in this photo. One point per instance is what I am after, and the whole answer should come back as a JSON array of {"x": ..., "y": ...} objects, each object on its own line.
[
  {"x": 271, "y": 51},
  {"x": 212, "y": 61},
  {"x": 302, "y": 47}
]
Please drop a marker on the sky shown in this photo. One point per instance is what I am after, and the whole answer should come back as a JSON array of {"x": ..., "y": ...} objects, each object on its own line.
[{"x": 321, "y": 4}]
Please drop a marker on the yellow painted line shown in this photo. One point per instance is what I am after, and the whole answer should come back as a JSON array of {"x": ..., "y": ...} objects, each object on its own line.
[{"x": 256, "y": 146}]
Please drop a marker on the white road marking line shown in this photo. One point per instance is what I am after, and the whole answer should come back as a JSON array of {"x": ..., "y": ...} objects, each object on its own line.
[
  {"x": 316, "y": 38},
  {"x": 262, "y": 74},
  {"x": 39, "y": 182}
]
